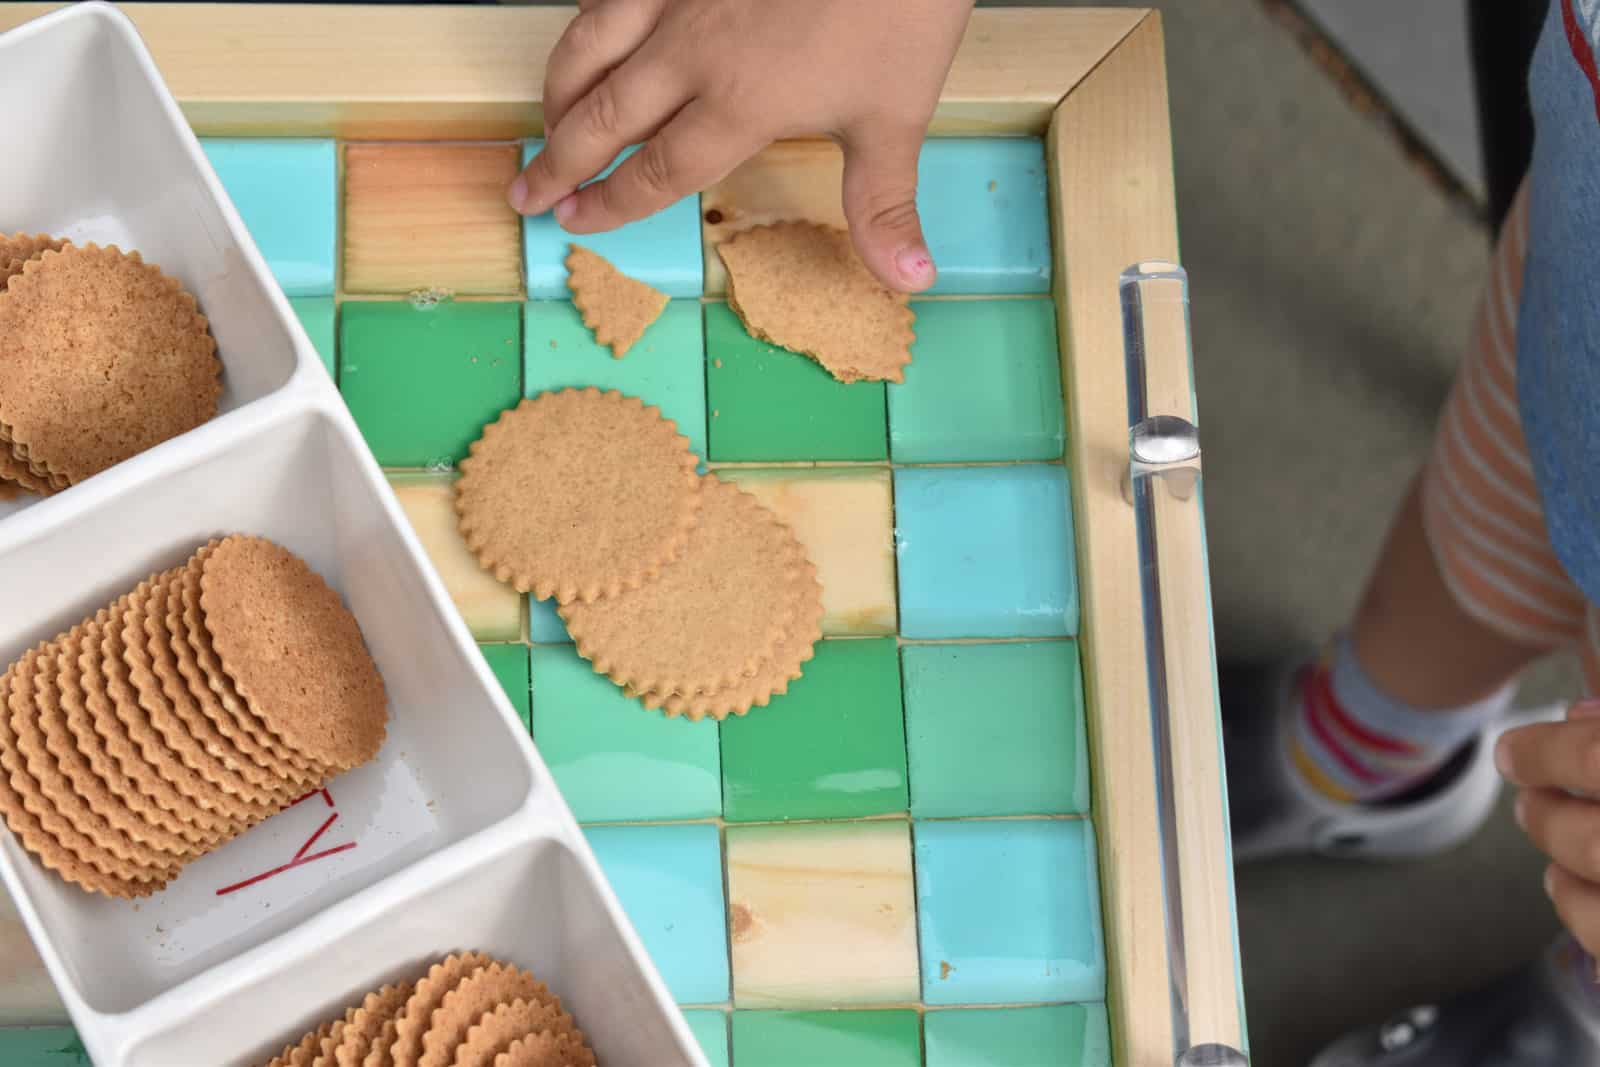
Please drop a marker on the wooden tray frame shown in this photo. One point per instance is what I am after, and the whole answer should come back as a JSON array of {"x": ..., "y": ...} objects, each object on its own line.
[{"x": 1093, "y": 83}]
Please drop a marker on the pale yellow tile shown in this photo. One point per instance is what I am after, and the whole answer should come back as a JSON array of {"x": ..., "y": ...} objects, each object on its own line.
[
  {"x": 845, "y": 520},
  {"x": 822, "y": 914},
  {"x": 492, "y": 609},
  {"x": 785, "y": 181}
]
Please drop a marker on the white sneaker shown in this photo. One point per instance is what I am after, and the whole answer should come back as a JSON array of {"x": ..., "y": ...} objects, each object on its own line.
[{"x": 1274, "y": 812}]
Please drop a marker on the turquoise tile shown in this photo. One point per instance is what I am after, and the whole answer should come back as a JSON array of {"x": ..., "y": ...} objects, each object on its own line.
[
  {"x": 544, "y": 624},
  {"x": 662, "y": 250},
  {"x": 985, "y": 209},
  {"x": 669, "y": 879},
  {"x": 613, "y": 760},
  {"x": 316, "y": 314},
  {"x": 711, "y": 1030},
  {"x": 984, "y": 384},
  {"x": 284, "y": 190},
  {"x": 985, "y": 552},
  {"x": 832, "y": 1038},
  {"x": 1026, "y": 755},
  {"x": 666, "y": 367},
  {"x": 1009, "y": 912},
  {"x": 42, "y": 1046},
  {"x": 510, "y": 666},
  {"x": 1054, "y": 1035}
]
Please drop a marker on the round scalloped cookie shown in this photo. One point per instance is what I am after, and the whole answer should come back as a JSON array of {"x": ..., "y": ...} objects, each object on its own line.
[
  {"x": 496, "y": 1030},
  {"x": 546, "y": 1050},
  {"x": 474, "y": 996},
  {"x": 413, "y": 1021},
  {"x": 17, "y": 248},
  {"x": 106, "y": 357},
  {"x": 578, "y": 495},
  {"x": 295, "y": 653},
  {"x": 713, "y": 617},
  {"x": 230, "y": 714},
  {"x": 355, "y": 1037}
]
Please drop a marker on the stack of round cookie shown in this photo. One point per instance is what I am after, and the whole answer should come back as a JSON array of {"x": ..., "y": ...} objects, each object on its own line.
[
  {"x": 209, "y": 698},
  {"x": 679, "y": 587},
  {"x": 104, "y": 357},
  {"x": 470, "y": 1010}
]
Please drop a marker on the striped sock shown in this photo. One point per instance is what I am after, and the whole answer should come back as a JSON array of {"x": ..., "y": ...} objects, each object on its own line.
[{"x": 1355, "y": 744}]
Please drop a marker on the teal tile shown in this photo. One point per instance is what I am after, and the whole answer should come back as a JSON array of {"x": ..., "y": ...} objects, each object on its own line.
[
  {"x": 316, "y": 314},
  {"x": 662, "y": 250},
  {"x": 510, "y": 666},
  {"x": 995, "y": 729},
  {"x": 613, "y": 760},
  {"x": 833, "y": 747},
  {"x": 985, "y": 207},
  {"x": 1009, "y": 912},
  {"x": 985, "y": 552},
  {"x": 817, "y": 1038},
  {"x": 666, "y": 367},
  {"x": 1054, "y": 1035},
  {"x": 422, "y": 382},
  {"x": 984, "y": 384},
  {"x": 669, "y": 879},
  {"x": 42, "y": 1046},
  {"x": 284, "y": 190},
  {"x": 711, "y": 1030},
  {"x": 544, "y": 624}
]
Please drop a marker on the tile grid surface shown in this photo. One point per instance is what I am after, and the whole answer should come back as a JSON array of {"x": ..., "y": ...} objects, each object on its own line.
[{"x": 906, "y": 833}]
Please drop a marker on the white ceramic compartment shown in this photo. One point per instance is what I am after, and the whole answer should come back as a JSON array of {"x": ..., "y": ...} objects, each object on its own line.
[
  {"x": 94, "y": 149},
  {"x": 534, "y": 904},
  {"x": 461, "y": 837}
]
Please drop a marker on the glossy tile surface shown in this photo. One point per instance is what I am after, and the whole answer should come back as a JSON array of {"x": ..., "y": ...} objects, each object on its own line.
[
  {"x": 711, "y": 1030},
  {"x": 985, "y": 552},
  {"x": 491, "y": 609},
  {"x": 423, "y": 382},
  {"x": 1054, "y": 1035},
  {"x": 666, "y": 367},
  {"x": 662, "y": 250},
  {"x": 985, "y": 211},
  {"x": 669, "y": 879},
  {"x": 43, "y": 1046},
  {"x": 544, "y": 624},
  {"x": 1009, "y": 912},
  {"x": 822, "y": 914},
  {"x": 510, "y": 666},
  {"x": 833, "y": 747},
  {"x": 844, "y": 517},
  {"x": 317, "y": 315},
  {"x": 984, "y": 384},
  {"x": 826, "y": 1039},
  {"x": 430, "y": 216},
  {"x": 995, "y": 729},
  {"x": 285, "y": 190},
  {"x": 613, "y": 760},
  {"x": 768, "y": 404}
]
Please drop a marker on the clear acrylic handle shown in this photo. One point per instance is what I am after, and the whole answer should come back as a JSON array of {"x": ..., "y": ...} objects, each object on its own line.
[{"x": 1164, "y": 487}]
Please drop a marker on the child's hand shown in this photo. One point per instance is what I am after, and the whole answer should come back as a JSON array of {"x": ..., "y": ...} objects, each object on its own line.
[
  {"x": 706, "y": 84},
  {"x": 1552, "y": 762}
]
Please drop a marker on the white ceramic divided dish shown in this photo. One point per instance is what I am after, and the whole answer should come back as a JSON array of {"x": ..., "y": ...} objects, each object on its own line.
[{"x": 455, "y": 836}]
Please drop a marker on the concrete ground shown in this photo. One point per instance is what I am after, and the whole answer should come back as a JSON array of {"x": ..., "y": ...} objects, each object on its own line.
[{"x": 1333, "y": 289}]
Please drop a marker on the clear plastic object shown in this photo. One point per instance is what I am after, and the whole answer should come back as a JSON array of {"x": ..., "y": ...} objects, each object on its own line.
[{"x": 1163, "y": 486}]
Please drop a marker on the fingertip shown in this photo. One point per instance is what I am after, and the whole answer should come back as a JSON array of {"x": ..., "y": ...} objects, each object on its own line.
[
  {"x": 1502, "y": 758},
  {"x": 517, "y": 195},
  {"x": 565, "y": 209},
  {"x": 1584, "y": 709},
  {"x": 914, "y": 268}
]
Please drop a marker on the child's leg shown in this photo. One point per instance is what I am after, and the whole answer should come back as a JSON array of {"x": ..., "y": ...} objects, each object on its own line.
[{"x": 1466, "y": 593}]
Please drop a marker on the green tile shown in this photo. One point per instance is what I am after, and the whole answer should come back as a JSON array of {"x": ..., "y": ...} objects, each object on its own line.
[
  {"x": 833, "y": 747},
  {"x": 984, "y": 384},
  {"x": 666, "y": 367},
  {"x": 1057, "y": 1035},
  {"x": 316, "y": 314},
  {"x": 771, "y": 404},
  {"x": 815, "y": 1038},
  {"x": 42, "y": 1046},
  {"x": 711, "y": 1030},
  {"x": 510, "y": 666},
  {"x": 614, "y": 760},
  {"x": 422, "y": 382},
  {"x": 995, "y": 729}
]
